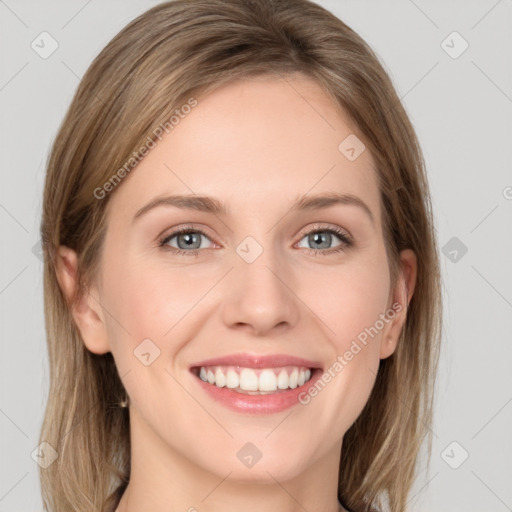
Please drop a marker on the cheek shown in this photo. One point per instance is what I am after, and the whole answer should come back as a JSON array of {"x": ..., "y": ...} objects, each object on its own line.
[
  {"x": 350, "y": 301},
  {"x": 148, "y": 300}
]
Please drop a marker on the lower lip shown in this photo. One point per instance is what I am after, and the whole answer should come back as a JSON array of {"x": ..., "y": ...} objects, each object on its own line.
[{"x": 258, "y": 404}]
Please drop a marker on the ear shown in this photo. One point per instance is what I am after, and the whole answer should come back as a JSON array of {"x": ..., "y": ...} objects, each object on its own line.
[
  {"x": 86, "y": 311},
  {"x": 400, "y": 299}
]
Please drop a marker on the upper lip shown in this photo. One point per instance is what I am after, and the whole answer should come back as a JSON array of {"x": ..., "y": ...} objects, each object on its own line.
[{"x": 258, "y": 361}]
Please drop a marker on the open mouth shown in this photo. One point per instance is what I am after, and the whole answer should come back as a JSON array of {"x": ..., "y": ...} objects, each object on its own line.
[{"x": 255, "y": 381}]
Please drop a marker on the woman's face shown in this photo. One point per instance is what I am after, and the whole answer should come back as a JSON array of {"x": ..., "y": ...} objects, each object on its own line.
[{"x": 248, "y": 281}]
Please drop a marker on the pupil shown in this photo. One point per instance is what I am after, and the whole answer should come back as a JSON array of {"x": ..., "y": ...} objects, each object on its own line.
[
  {"x": 317, "y": 237},
  {"x": 189, "y": 238}
]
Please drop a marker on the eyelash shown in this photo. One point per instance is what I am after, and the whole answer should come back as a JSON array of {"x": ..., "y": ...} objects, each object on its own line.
[{"x": 346, "y": 241}]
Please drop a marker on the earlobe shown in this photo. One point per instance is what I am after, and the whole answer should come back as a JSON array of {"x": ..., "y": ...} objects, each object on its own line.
[
  {"x": 86, "y": 311},
  {"x": 401, "y": 297}
]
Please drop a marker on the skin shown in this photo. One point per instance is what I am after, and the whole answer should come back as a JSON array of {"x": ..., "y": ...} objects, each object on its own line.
[{"x": 256, "y": 145}]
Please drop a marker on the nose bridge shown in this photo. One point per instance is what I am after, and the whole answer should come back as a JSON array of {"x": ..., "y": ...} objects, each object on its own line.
[{"x": 258, "y": 295}]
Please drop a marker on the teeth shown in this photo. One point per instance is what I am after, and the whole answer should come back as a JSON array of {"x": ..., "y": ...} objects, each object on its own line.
[
  {"x": 282, "y": 380},
  {"x": 248, "y": 380},
  {"x": 294, "y": 377},
  {"x": 220, "y": 378},
  {"x": 267, "y": 381},
  {"x": 232, "y": 379},
  {"x": 251, "y": 380}
]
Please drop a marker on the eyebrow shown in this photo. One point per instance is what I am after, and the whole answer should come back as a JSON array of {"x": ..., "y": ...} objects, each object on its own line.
[{"x": 212, "y": 205}]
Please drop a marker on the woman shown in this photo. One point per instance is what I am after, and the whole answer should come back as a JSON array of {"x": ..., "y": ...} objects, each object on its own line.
[{"x": 205, "y": 353}]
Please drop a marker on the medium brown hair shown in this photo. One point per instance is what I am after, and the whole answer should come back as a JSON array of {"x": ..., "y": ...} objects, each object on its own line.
[{"x": 187, "y": 48}]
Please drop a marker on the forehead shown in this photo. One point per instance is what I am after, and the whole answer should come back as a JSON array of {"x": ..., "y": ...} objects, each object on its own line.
[{"x": 263, "y": 140}]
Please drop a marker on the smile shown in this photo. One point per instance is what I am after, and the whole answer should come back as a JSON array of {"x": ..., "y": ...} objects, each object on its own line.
[
  {"x": 256, "y": 384},
  {"x": 255, "y": 381}
]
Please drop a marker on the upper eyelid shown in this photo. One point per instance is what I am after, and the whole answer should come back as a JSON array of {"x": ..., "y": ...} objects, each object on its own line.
[
  {"x": 303, "y": 232},
  {"x": 183, "y": 229},
  {"x": 319, "y": 227}
]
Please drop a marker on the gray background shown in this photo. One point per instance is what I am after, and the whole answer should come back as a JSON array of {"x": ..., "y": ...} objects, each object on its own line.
[{"x": 462, "y": 111}]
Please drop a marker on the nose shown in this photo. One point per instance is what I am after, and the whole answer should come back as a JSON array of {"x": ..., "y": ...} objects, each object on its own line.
[{"x": 259, "y": 296}]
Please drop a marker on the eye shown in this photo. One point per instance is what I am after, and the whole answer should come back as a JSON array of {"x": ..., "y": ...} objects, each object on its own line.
[
  {"x": 188, "y": 241},
  {"x": 322, "y": 238}
]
